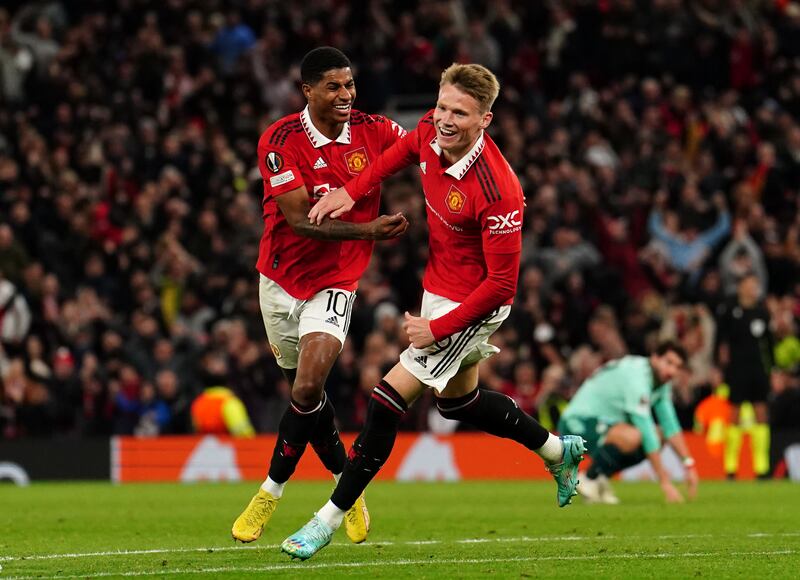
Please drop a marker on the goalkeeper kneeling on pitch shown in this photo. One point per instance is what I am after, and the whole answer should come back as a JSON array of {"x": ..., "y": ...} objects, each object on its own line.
[{"x": 613, "y": 411}]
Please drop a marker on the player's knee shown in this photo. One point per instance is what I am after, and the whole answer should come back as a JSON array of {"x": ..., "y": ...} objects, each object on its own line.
[
  {"x": 307, "y": 392},
  {"x": 631, "y": 440}
]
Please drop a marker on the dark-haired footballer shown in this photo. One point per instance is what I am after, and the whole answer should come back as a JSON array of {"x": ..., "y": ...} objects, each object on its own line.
[
  {"x": 309, "y": 272},
  {"x": 613, "y": 411}
]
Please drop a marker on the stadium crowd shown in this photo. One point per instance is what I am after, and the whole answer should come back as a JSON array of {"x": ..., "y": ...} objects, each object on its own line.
[{"x": 657, "y": 142}]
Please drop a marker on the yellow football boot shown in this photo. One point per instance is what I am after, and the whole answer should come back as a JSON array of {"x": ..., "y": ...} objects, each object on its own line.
[
  {"x": 249, "y": 525},
  {"x": 356, "y": 521}
]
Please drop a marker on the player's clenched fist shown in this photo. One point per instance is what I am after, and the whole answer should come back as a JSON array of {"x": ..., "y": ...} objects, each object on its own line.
[
  {"x": 336, "y": 203},
  {"x": 418, "y": 330},
  {"x": 386, "y": 227}
]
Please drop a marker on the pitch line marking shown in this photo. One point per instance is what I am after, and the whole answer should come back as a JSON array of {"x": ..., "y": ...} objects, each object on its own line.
[
  {"x": 381, "y": 543},
  {"x": 407, "y": 562}
]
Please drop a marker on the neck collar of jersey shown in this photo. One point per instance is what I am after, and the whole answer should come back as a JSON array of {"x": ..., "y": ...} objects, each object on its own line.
[
  {"x": 460, "y": 167},
  {"x": 318, "y": 139}
]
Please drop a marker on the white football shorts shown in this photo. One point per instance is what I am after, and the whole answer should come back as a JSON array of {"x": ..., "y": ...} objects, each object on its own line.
[
  {"x": 288, "y": 319},
  {"x": 440, "y": 362}
]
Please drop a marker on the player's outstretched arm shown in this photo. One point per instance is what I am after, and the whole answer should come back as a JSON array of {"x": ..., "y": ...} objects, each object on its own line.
[
  {"x": 335, "y": 204},
  {"x": 671, "y": 493},
  {"x": 295, "y": 206},
  {"x": 678, "y": 443},
  {"x": 401, "y": 154}
]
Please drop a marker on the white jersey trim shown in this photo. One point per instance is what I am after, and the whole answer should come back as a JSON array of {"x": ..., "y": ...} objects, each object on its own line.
[{"x": 318, "y": 139}]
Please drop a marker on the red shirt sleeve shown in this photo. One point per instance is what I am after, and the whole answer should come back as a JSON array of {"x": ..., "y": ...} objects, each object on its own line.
[
  {"x": 404, "y": 152},
  {"x": 278, "y": 167},
  {"x": 501, "y": 233},
  {"x": 392, "y": 133},
  {"x": 498, "y": 288}
]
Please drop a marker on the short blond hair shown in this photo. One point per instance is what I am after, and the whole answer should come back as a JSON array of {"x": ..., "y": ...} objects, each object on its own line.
[{"x": 475, "y": 80}]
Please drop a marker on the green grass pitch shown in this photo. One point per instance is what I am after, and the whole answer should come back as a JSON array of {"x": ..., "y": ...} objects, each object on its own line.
[{"x": 420, "y": 530}]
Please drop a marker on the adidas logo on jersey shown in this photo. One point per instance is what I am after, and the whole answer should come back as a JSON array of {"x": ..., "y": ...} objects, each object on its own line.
[
  {"x": 320, "y": 163},
  {"x": 422, "y": 361},
  {"x": 333, "y": 320}
]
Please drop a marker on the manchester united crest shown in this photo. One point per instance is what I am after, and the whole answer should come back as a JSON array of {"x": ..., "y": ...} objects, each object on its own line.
[
  {"x": 356, "y": 160},
  {"x": 455, "y": 200}
]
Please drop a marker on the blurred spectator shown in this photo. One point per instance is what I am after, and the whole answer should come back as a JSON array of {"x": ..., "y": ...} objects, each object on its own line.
[
  {"x": 685, "y": 246},
  {"x": 176, "y": 418},
  {"x": 218, "y": 411},
  {"x": 95, "y": 413},
  {"x": 233, "y": 39},
  {"x": 694, "y": 328},
  {"x": 741, "y": 256},
  {"x": 27, "y": 408},
  {"x": 33, "y": 28},
  {"x": 524, "y": 387},
  {"x": 13, "y": 257},
  {"x": 65, "y": 389},
  {"x": 154, "y": 414},
  {"x": 569, "y": 254},
  {"x": 604, "y": 334}
]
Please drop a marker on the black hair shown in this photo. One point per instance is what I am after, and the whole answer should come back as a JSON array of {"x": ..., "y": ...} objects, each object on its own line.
[
  {"x": 672, "y": 346},
  {"x": 319, "y": 61}
]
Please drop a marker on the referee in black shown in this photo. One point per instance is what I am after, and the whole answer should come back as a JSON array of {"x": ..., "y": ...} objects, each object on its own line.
[{"x": 745, "y": 353}]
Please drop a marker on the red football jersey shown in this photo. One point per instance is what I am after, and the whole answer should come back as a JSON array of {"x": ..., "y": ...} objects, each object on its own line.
[
  {"x": 293, "y": 153},
  {"x": 474, "y": 207}
]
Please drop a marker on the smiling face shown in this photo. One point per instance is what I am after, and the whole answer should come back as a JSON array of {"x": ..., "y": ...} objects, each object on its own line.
[
  {"x": 330, "y": 99},
  {"x": 458, "y": 120}
]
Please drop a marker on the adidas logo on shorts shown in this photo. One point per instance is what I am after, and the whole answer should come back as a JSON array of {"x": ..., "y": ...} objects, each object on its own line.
[
  {"x": 422, "y": 361},
  {"x": 320, "y": 163},
  {"x": 333, "y": 320}
]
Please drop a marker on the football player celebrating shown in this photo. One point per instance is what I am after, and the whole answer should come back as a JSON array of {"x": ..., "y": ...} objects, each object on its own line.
[
  {"x": 475, "y": 205},
  {"x": 309, "y": 271}
]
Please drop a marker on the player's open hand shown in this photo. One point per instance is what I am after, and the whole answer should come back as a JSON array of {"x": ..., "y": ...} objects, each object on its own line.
[
  {"x": 386, "y": 227},
  {"x": 418, "y": 330},
  {"x": 335, "y": 204},
  {"x": 671, "y": 493}
]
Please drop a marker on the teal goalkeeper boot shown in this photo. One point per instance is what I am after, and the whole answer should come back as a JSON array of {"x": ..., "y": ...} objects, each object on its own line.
[
  {"x": 308, "y": 540},
  {"x": 566, "y": 472}
]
